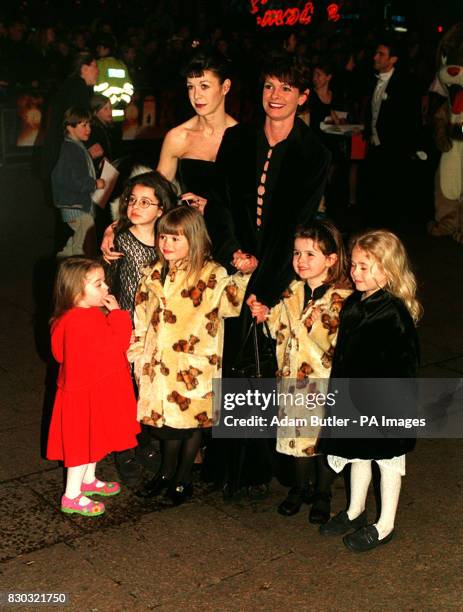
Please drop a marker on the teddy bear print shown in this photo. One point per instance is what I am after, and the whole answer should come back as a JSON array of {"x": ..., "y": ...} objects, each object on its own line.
[
  {"x": 140, "y": 297},
  {"x": 181, "y": 401},
  {"x": 287, "y": 293},
  {"x": 309, "y": 451},
  {"x": 149, "y": 368},
  {"x": 203, "y": 419},
  {"x": 152, "y": 419},
  {"x": 155, "y": 275},
  {"x": 164, "y": 369},
  {"x": 327, "y": 358},
  {"x": 330, "y": 323},
  {"x": 231, "y": 291},
  {"x": 213, "y": 325},
  {"x": 189, "y": 377},
  {"x": 195, "y": 293},
  {"x": 155, "y": 318},
  {"x": 186, "y": 346},
  {"x": 336, "y": 302},
  {"x": 215, "y": 360},
  {"x": 303, "y": 373},
  {"x": 209, "y": 395},
  {"x": 212, "y": 281},
  {"x": 280, "y": 335},
  {"x": 169, "y": 316}
]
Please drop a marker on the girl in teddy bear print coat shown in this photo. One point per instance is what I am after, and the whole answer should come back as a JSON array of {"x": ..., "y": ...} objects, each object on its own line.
[
  {"x": 180, "y": 307},
  {"x": 305, "y": 324}
]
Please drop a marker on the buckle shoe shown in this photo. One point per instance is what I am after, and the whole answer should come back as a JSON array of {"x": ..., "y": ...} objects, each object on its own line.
[
  {"x": 365, "y": 539},
  {"x": 341, "y": 524}
]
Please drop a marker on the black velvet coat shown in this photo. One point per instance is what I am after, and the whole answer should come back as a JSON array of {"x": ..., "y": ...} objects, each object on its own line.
[
  {"x": 376, "y": 339},
  {"x": 231, "y": 210}
]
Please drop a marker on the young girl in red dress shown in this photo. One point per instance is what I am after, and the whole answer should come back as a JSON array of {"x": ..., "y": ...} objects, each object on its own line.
[{"x": 95, "y": 408}]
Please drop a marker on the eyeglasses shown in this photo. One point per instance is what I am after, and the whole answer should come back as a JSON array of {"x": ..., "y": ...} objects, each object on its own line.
[{"x": 142, "y": 202}]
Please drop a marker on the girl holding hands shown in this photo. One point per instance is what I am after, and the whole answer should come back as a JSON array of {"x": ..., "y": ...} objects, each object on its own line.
[
  {"x": 181, "y": 304},
  {"x": 305, "y": 325}
]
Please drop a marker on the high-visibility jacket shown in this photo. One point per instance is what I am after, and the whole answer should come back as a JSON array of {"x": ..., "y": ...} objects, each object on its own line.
[{"x": 114, "y": 82}]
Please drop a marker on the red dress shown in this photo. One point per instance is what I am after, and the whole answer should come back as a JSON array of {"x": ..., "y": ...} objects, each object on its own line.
[{"x": 95, "y": 409}]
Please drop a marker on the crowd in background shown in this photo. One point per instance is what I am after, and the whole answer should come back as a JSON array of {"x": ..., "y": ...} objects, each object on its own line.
[{"x": 38, "y": 55}]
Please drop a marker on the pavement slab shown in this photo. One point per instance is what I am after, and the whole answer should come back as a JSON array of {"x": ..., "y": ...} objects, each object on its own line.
[
  {"x": 60, "y": 569},
  {"x": 189, "y": 547}
]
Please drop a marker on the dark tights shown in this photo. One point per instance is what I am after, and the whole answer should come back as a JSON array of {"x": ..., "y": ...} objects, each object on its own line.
[
  {"x": 315, "y": 471},
  {"x": 178, "y": 457}
]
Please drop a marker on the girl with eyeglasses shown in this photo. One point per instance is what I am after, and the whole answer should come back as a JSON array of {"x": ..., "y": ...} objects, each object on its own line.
[{"x": 144, "y": 199}]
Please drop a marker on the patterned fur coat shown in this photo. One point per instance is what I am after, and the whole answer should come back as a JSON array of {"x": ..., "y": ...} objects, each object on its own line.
[
  {"x": 306, "y": 338},
  {"x": 178, "y": 342}
]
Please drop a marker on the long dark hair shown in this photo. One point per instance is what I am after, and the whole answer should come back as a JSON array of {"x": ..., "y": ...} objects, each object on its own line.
[
  {"x": 164, "y": 190},
  {"x": 329, "y": 241}
]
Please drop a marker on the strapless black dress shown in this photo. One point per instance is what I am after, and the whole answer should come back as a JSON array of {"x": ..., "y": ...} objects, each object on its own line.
[{"x": 195, "y": 175}]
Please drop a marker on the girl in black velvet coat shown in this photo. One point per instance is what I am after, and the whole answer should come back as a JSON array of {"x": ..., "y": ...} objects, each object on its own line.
[{"x": 376, "y": 340}]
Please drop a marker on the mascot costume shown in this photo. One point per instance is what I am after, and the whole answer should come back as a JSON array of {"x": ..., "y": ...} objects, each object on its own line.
[{"x": 448, "y": 123}]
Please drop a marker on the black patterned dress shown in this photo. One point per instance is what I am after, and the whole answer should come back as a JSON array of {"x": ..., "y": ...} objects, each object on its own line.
[{"x": 127, "y": 271}]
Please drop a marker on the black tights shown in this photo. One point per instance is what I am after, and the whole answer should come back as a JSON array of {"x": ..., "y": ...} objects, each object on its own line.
[
  {"x": 315, "y": 471},
  {"x": 178, "y": 457}
]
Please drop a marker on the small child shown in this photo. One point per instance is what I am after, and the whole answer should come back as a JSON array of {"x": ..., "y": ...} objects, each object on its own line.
[
  {"x": 73, "y": 181},
  {"x": 181, "y": 304},
  {"x": 144, "y": 199},
  {"x": 305, "y": 324},
  {"x": 377, "y": 339},
  {"x": 95, "y": 409}
]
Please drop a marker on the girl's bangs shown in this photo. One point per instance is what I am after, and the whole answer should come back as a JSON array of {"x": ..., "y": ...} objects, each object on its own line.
[{"x": 166, "y": 226}]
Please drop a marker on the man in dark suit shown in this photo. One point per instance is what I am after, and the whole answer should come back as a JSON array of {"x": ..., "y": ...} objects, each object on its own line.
[
  {"x": 391, "y": 128},
  {"x": 271, "y": 178}
]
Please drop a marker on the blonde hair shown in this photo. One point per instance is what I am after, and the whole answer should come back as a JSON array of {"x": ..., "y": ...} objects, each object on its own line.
[
  {"x": 390, "y": 255},
  {"x": 70, "y": 283},
  {"x": 188, "y": 222}
]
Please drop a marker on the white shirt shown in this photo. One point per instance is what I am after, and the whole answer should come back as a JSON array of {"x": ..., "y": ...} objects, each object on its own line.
[{"x": 376, "y": 100}]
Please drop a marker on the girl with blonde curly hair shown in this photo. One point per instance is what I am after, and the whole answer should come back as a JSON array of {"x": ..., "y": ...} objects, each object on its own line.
[{"x": 376, "y": 340}]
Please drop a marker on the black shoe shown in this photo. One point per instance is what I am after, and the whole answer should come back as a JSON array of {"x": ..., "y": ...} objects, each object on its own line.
[
  {"x": 292, "y": 504},
  {"x": 320, "y": 511},
  {"x": 154, "y": 486},
  {"x": 180, "y": 493},
  {"x": 365, "y": 538},
  {"x": 128, "y": 471},
  {"x": 341, "y": 524}
]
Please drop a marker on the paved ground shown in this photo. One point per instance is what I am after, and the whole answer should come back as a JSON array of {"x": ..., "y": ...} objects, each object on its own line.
[{"x": 207, "y": 555}]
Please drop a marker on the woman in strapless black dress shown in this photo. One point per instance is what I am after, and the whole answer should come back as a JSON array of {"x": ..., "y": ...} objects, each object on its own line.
[{"x": 189, "y": 150}]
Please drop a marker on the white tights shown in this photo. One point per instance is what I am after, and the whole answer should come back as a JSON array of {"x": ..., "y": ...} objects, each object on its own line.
[
  {"x": 360, "y": 478},
  {"x": 76, "y": 476}
]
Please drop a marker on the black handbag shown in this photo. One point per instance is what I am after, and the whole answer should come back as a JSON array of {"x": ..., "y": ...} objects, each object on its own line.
[{"x": 257, "y": 357}]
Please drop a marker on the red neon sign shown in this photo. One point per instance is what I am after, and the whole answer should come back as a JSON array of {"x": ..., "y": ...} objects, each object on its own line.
[
  {"x": 291, "y": 15},
  {"x": 282, "y": 17},
  {"x": 333, "y": 12}
]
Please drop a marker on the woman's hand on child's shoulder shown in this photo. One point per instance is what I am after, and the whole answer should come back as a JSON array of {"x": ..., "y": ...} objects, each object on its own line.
[
  {"x": 110, "y": 302},
  {"x": 258, "y": 310},
  {"x": 107, "y": 245}
]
